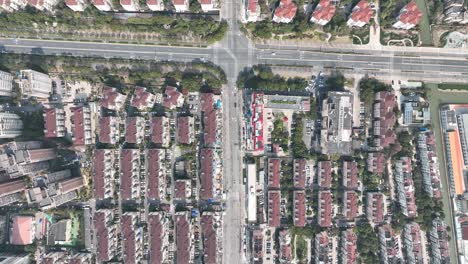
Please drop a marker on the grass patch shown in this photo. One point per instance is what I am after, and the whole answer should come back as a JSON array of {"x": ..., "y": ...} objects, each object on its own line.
[{"x": 453, "y": 86}]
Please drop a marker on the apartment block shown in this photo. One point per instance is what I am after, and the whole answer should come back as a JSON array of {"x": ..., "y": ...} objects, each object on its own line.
[
  {"x": 376, "y": 162},
  {"x": 414, "y": 249},
  {"x": 132, "y": 238},
  {"x": 156, "y": 174},
  {"x": 325, "y": 212},
  {"x": 6, "y": 79},
  {"x": 252, "y": 10},
  {"x": 274, "y": 173},
  {"x": 183, "y": 238},
  {"x": 211, "y": 116},
  {"x": 109, "y": 129},
  {"x": 210, "y": 174},
  {"x": 54, "y": 122},
  {"x": 155, "y": 5},
  {"x": 185, "y": 130},
  {"x": 429, "y": 164},
  {"x": 129, "y": 174},
  {"x": 135, "y": 129},
  {"x": 45, "y": 5},
  {"x": 405, "y": 186},
  {"x": 409, "y": 16},
  {"x": 376, "y": 207},
  {"x": 103, "y": 5},
  {"x": 299, "y": 199},
  {"x": 384, "y": 119},
  {"x": 182, "y": 189},
  {"x": 11, "y": 125},
  {"x": 390, "y": 245},
  {"x": 212, "y": 234},
  {"x": 350, "y": 175},
  {"x": 104, "y": 173},
  {"x": 348, "y": 247},
  {"x": 324, "y": 174},
  {"x": 10, "y": 6},
  {"x": 323, "y": 248},
  {"x": 106, "y": 248},
  {"x": 35, "y": 84},
  {"x": 142, "y": 99},
  {"x": 323, "y": 12},
  {"x": 285, "y": 12},
  {"x": 82, "y": 126},
  {"x": 285, "y": 248},
  {"x": 77, "y": 5},
  {"x": 112, "y": 99},
  {"x": 439, "y": 241},
  {"x": 158, "y": 237},
  {"x": 274, "y": 198},
  {"x": 300, "y": 167},
  {"x": 181, "y": 5},
  {"x": 130, "y": 5},
  {"x": 350, "y": 205},
  {"x": 160, "y": 131},
  {"x": 361, "y": 14}
]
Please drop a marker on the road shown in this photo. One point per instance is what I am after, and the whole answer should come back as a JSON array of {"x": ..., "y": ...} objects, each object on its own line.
[{"x": 234, "y": 53}]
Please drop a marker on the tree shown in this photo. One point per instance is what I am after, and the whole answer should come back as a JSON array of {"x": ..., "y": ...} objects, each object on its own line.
[{"x": 367, "y": 243}]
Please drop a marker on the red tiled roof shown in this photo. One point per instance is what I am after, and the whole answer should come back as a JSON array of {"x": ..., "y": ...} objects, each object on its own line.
[
  {"x": 350, "y": 247},
  {"x": 324, "y": 10},
  {"x": 209, "y": 118},
  {"x": 207, "y": 173},
  {"x": 128, "y": 238},
  {"x": 78, "y": 126},
  {"x": 127, "y": 169},
  {"x": 285, "y": 248},
  {"x": 209, "y": 239},
  {"x": 171, "y": 94},
  {"x": 286, "y": 9},
  {"x": 206, "y": 2},
  {"x": 156, "y": 234},
  {"x": 125, "y": 2},
  {"x": 351, "y": 205},
  {"x": 183, "y": 129},
  {"x": 105, "y": 129},
  {"x": 274, "y": 198},
  {"x": 157, "y": 129},
  {"x": 50, "y": 123},
  {"x": 362, "y": 12},
  {"x": 36, "y": 155},
  {"x": 36, "y": 3},
  {"x": 71, "y": 2},
  {"x": 325, "y": 208},
  {"x": 71, "y": 184},
  {"x": 131, "y": 129},
  {"x": 274, "y": 171},
  {"x": 109, "y": 94},
  {"x": 299, "y": 208},
  {"x": 376, "y": 204},
  {"x": 299, "y": 173},
  {"x": 350, "y": 174},
  {"x": 153, "y": 174},
  {"x": 182, "y": 228},
  {"x": 376, "y": 162},
  {"x": 179, "y": 189},
  {"x": 21, "y": 230},
  {"x": 10, "y": 187},
  {"x": 99, "y": 173},
  {"x": 324, "y": 173},
  {"x": 411, "y": 15},
  {"x": 141, "y": 96},
  {"x": 252, "y": 6},
  {"x": 178, "y": 2},
  {"x": 100, "y": 228}
]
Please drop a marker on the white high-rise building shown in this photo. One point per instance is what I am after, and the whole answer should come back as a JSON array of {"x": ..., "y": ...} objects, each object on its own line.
[
  {"x": 35, "y": 84},
  {"x": 10, "y": 125},
  {"x": 6, "y": 83}
]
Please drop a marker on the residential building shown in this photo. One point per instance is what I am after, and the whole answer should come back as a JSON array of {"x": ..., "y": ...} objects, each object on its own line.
[
  {"x": 324, "y": 216},
  {"x": 405, "y": 186},
  {"x": 130, "y": 5},
  {"x": 376, "y": 207},
  {"x": 142, "y": 99},
  {"x": 337, "y": 123},
  {"x": 109, "y": 129},
  {"x": 414, "y": 249},
  {"x": 160, "y": 131},
  {"x": 132, "y": 238},
  {"x": 409, "y": 16},
  {"x": 348, "y": 249},
  {"x": 11, "y": 125},
  {"x": 390, "y": 245},
  {"x": 429, "y": 164},
  {"x": 210, "y": 177},
  {"x": 54, "y": 257},
  {"x": 285, "y": 248},
  {"x": 257, "y": 244},
  {"x": 252, "y": 193},
  {"x": 301, "y": 170},
  {"x": 185, "y": 130},
  {"x": 10, "y": 6},
  {"x": 129, "y": 174},
  {"x": 323, "y": 248},
  {"x": 35, "y": 84},
  {"x": 172, "y": 97},
  {"x": 82, "y": 126},
  {"x": 285, "y": 12},
  {"x": 183, "y": 238},
  {"x": 158, "y": 237},
  {"x": 181, "y": 5},
  {"x": 384, "y": 119},
  {"x": 80, "y": 258},
  {"x": 182, "y": 189},
  {"x": 45, "y": 5},
  {"x": 155, "y": 5},
  {"x": 11, "y": 187},
  {"x": 6, "y": 79},
  {"x": 350, "y": 205},
  {"x": 112, "y": 99},
  {"x": 324, "y": 174},
  {"x": 350, "y": 175},
  {"x": 299, "y": 199},
  {"x": 54, "y": 122},
  {"x": 211, "y": 117},
  {"x": 135, "y": 130},
  {"x": 156, "y": 174},
  {"x": 323, "y": 12},
  {"x": 104, "y": 173},
  {"x": 289, "y": 102},
  {"x": 439, "y": 242},
  {"x": 106, "y": 248},
  {"x": 416, "y": 113},
  {"x": 376, "y": 162},
  {"x": 77, "y": 5},
  {"x": 274, "y": 198},
  {"x": 361, "y": 14},
  {"x": 59, "y": 233},
  {"x": 252, "y": 10},
  {"x": 254, "y": 136},
  {"x": 274, "y": 173},
  {"x": 22, "y": 230},
  {"x": 103, "y": 5},
  {"x": 207, "y": 5},
  {"x": 211, "y": 226}
]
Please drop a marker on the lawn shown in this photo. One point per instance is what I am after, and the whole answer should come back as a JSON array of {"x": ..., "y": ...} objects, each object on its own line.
[
  {"x": 453, "y": 86},
  {"x": 424, "y": 25}
]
